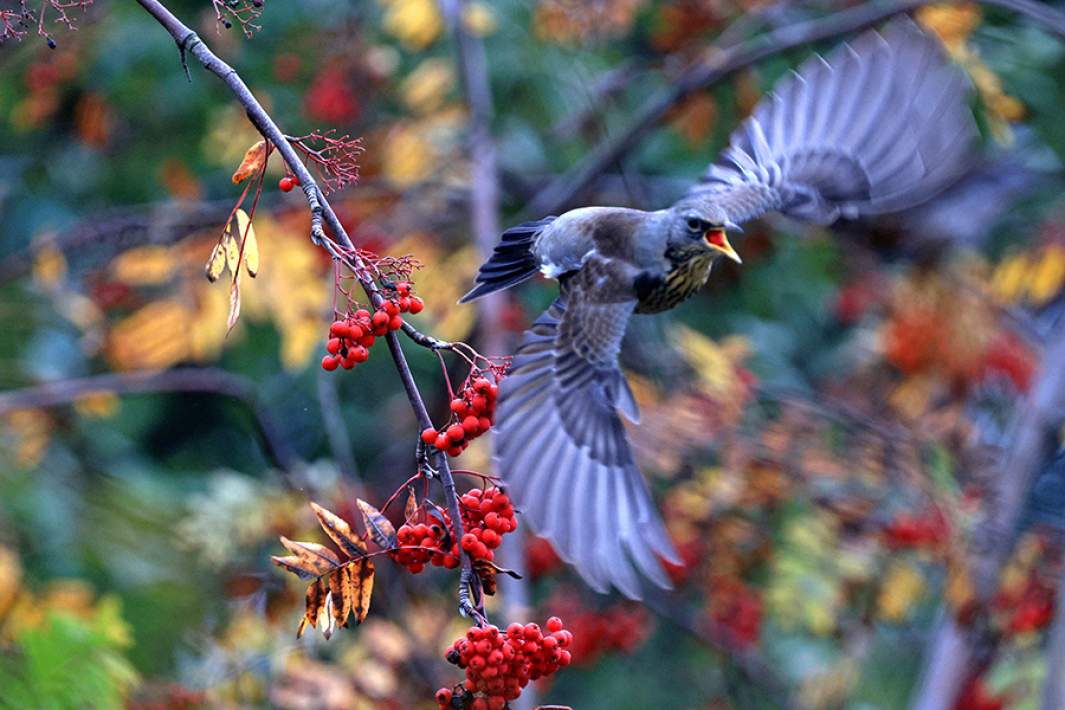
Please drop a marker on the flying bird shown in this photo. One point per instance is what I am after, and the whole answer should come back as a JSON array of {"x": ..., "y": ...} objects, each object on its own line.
[{"x": 880, "y": 125}]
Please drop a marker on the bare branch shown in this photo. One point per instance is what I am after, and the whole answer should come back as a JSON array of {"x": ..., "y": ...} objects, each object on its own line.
[
  {"x": 321, "y": 211},
  {"x": 206, "y": 380},
  {"x": 723, "y": 63}
]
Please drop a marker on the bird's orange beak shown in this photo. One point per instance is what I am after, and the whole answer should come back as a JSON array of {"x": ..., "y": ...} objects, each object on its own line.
[{"x": 716, "y": 238}]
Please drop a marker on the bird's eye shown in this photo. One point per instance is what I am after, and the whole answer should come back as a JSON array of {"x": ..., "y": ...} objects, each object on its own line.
[{"x": 695, "y": 224}]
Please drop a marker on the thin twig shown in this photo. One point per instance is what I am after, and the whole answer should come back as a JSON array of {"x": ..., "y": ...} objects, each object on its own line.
[
  {"x": 723, "y": 63},
  {"x": 321, "y": 211}
]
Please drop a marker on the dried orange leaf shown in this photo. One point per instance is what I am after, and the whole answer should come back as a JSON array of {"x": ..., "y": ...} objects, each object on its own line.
[
  {"x": 360, "y": 583},
  {"x": 339, "y": 532},
  {"x": 341, "y": 591},
  {"x": 316, "y": 594},
  {"x": 234, "y": 305},
  {"x": 216, "y": 263},
  {"x": 253, "y": 162},
  {"x": 411, "y": 508},
  {"x": 381, "y": 530},
  {"x": 308, "y": 559}
]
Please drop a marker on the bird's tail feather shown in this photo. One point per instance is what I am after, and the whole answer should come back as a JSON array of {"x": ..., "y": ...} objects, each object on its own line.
[{"x": 512, "y": 261}]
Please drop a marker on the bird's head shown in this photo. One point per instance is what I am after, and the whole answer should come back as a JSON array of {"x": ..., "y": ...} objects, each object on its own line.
[{"x": 702, "y": 227}]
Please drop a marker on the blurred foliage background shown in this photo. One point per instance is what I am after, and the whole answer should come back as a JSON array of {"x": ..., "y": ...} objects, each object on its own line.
[{"x": 826, "y": 425}]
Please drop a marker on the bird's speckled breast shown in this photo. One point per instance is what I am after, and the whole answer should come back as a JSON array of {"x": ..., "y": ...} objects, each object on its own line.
[{"x": 688, "y": 275}]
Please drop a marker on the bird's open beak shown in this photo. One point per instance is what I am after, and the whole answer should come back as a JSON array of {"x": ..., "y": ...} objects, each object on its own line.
[{"x": 716, "y": 238}]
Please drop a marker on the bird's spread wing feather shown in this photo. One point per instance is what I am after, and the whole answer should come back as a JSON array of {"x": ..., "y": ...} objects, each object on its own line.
[
  {"x": 560, "y": 445},
  {"x": 879, "y": 126}
]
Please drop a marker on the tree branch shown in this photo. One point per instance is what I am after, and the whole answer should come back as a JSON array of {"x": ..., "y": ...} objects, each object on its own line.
[
  {"x": 723, "y": 63},
  {"x": 206, "y": 380},
  {"x": 952, "y": 648},
  {"x": 321, "y": 210}
]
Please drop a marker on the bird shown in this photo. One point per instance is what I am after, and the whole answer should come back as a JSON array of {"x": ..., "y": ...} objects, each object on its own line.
[{"x": 879, "y": 125}]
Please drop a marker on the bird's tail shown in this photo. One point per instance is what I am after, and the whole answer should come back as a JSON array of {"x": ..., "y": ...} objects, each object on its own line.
[{"x": 512, "y": 261}]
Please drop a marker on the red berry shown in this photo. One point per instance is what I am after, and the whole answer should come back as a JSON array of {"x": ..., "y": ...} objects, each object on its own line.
[
  {"x": 380, "y": 319},
  {"x": 458, "y": 406},
  {"x": 442, "y": 442},
  {"x": 338, "y": 328},
  {"x": 554, "y": 624},
  {"x": 470, "y": 542},
  {"x": 330, "y": 363},
  {"x": 395, "y": 323},
  {"x": 333, "y": 346},
  {"x": 456, "y": 432},
  {"x": 416, "y": 305},
  {"x": 471, "y": 426},
  {"x": 429, "y": 435},
  {"x": 355, "y": 331},
  {"x": 286, "y": 184},
  {"x": 358, "y": 353},
  {"x": 443, "y": 696},
  {"x": 484, "y": 423},
  {"x": 295, "y": 179},
  {"x": 390, "y": 307},
  {"x": 404, "y": 304},
  {"x": 366, "y": 341}
]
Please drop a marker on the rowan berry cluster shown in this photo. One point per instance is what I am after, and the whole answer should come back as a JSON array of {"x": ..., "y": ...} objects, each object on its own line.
[
  {"x": 350, "y": 339},
  {"x": 486, "y": 516},
  {"x": 472, "y": 412},
  {"x": 500, "y": 664},
  {"x": 421, "y": 544}
]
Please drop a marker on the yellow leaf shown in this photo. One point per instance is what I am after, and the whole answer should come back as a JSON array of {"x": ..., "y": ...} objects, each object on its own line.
[
  {"x": 144, "y": 266},
  {"x": 232, "y": 249},
  {"x": 49, "y": 266},
  {"x": 1046, "y": 277},
  {"x": 425, "y": 89},
  {"x": 251, "y": 245},
  {"x": 252, "y": 163},
  {"x": 415, "y": 23},
  {"x": 1008, "y": 281},
  {"x": 155, "y": 336},
  {"x": 216, "y": 263},
  {"x": 902, "y": 587},
  {"x": 10, "y": 578},
  {"x": 31, "y": 432},
  {"x": 100, "y": 404},
  {"x": 953, "y": 22},
  {"x": 478, "y": 19},
  {"x": 408, "y": 155}
]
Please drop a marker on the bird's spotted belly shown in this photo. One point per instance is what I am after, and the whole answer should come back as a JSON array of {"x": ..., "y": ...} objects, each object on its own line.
[{"x": 681, "y": 282}]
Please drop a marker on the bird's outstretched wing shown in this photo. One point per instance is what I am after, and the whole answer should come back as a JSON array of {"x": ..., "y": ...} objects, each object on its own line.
[
  {"x": 880, "y": 126},
  {"x": 560, "y": 445}
]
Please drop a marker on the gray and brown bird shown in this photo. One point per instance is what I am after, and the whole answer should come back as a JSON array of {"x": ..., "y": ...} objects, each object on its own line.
[{"x": 881, "y": 125}]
